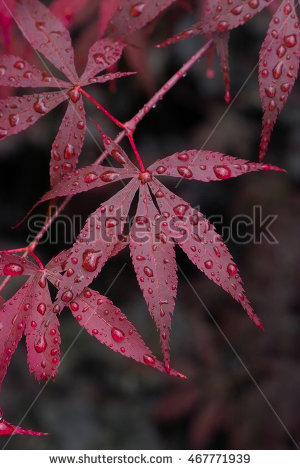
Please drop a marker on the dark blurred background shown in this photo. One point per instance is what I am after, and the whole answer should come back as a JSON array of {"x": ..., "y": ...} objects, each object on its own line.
[{"x": 102, "y": 400}]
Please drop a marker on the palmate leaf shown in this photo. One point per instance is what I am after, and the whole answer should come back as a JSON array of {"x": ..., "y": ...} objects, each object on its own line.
[
  {"x": 31, "y": 312},
  {"x": 154, "y": 232},
  {"x": 278, "y": 67},
  {"x": 48, "y": 36},
  {"x": 7, "y": 428}
]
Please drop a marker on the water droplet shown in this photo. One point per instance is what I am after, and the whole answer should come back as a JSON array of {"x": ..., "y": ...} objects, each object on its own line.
[
  {"x": 3, "y": 133},
  {"x": 13, "y": 119},
  {"x": 87, "y": 293},
  {"x": 281, "y": 51},
  {"x": 180, "y": 210},
  {"x": 149, "y": 359},
  {"x": 2, "y": 70},
  {"x": 40, "y": 25},
  {"x": 232, "y": 269},
  {"x": 41, "y": 344},
  {"x": 90, "y": 177},
  {"x": 74, "y": 94},
  {"x": 69, "y": 151},
  {"x": 222, "y": 172},
  {"x": 99, "y": 59},
  {"x": 13, "y": 269},
  {"x": 270, "y": 91},
  {"x": 237, "y": 10},
  {"x": 40, "y": 106},
  {"x": 67, "y": 296},
  {"x": 118, "y": 156},
  {"x": 159, "y": 193},
  {"x": 109, "y": 176},
  {"x": 208, "y": 264},
  {"x": 184, "y": 171},
  {"x": 80, "y": 125},
  {"x": 277, "y": 70},
  {"x": 137, "y": 9},
  {"x": 117, "y": 335},
  {"x": 33, "y": 324},
  {"x": 290, "y": 41},
  {"x": 90, "y": 260},
  {"x": 41, "y": 308},
  {"x": 145, "y": 176},
  {"x": 161, "y": 169},
  {"x": 148, "y": 271},
  {"x": 223, "y": 26},
  {"x": 20, "y": 64},
  {"x": 111, "y": 222},
  {"x": 183, "y": 157},
  {"x": 253, "y": 3},
  {"x": 74, "y": 306}
]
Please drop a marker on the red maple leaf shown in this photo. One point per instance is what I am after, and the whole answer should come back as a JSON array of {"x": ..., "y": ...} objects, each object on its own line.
[
  {"x": 30, "y": 312},
  {"x": 153, "y": 232},
  {"x": 50, "y": 38}
]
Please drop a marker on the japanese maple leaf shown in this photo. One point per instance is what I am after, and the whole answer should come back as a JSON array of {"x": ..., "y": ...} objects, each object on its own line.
[
  {"x": 30, "y": 312},
  {"x": 49, "y": 37},
  {"x": 152, "y": 238},
  {"x": 7, "y": 428},
  {"x": 278, "y": 67}
]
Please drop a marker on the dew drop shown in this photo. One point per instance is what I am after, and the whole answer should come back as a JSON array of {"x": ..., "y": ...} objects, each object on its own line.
[
  {"x": 67, "y": 296},
  {"x": 41, "y": 308},
  {"x": 232, "y": 269},
  {"x": 40, "y": 106},
  {"x": 161, "y": 169},
  {"x": 69, "y": 151},
  {"x": 148, "y": 271},
  {"x": 109, "y": 176},
  {"x": 117, "y": 335},
  {"x": 180, "y": 210},
  {"x": 184, "y": 172},
  {"x": 20, "y": 64},
  {"x": 90, "y": 260},
  {"x": 208, "y": 264},
  {"x": 74, "y": 306},
  {"x": 277, "y": 70},
  {"x": 13, "y": 269},
  {"x": 13, "y": 119},
  {"x": 74, "y": 94},
  {"x": 90, "y": 177},
  {"x": 137, "y": 9},
  {"x": 149, "y": 359},
  {"x": 290, "y": 41},
  {"x": 222, "y": 172},
  {"x": 118, "y": 156},
  {"x": 41, "y": 344}
]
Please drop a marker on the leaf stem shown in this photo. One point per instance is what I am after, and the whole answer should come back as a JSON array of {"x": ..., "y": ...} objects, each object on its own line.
[
  {"x": 131, "y": 125},
  {"x": 99, "y": 106},
  {"x": 130, "y": 137},
  {"x": 167, "y": 87},
  {"x": 29, "y": 250}
]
